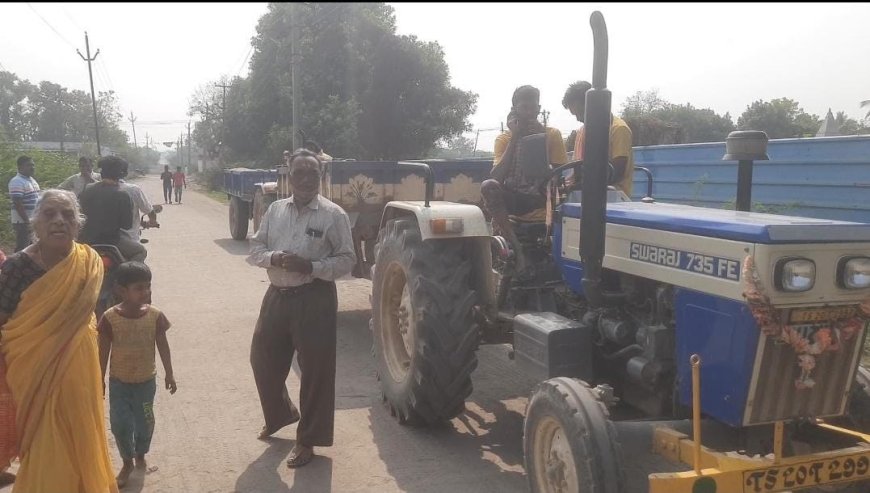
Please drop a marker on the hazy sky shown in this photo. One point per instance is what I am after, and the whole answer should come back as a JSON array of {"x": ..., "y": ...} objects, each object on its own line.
[{"x": 721, "y": 56}]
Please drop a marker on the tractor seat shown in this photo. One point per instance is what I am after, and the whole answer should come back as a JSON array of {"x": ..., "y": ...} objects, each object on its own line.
[{"x": 532, "y": 224}]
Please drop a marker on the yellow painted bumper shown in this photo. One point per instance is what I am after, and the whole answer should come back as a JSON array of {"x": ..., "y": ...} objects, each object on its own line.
[{"x": 724, "y": 473}]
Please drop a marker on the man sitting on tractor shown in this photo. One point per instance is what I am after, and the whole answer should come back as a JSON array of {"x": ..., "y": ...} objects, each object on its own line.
[
  {"x": 510, "y": 192},
  {"x": 621, "y": 155}
]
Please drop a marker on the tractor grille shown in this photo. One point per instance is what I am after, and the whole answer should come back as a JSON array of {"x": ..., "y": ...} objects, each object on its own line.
[{"x": 774, "y": 397}]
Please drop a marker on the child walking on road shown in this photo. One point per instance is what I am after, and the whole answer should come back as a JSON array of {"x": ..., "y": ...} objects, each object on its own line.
[
  {"x": 129, "y": 332},
  {"x": 178, "y": 179}
]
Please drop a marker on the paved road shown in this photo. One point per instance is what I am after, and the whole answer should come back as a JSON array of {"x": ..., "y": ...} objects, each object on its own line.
[{"x": 205, "y": 435}]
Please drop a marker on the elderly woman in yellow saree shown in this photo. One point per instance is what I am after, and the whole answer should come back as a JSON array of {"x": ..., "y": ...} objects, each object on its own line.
[{"x": 47, "y": 296}]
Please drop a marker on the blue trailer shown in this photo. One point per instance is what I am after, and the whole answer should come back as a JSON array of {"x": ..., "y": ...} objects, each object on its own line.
[
  {"x": 244, "y": 188},
  {"x": 824, "y": 177}
]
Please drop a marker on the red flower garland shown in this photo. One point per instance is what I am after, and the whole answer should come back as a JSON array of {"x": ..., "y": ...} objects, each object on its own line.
[{"x": 768, "y": 319}]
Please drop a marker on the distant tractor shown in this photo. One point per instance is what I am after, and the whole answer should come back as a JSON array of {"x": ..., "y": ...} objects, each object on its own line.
[{"x": 755, "y": 321}]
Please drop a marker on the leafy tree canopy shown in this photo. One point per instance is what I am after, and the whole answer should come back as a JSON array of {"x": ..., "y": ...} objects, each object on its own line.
[{"x": 365, "y": 91}]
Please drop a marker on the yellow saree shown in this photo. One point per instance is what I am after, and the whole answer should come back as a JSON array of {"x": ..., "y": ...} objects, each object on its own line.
[{"x": 53, "y": 370}]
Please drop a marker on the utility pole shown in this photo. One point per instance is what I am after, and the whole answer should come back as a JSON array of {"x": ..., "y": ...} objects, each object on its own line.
[
  {"x": 223, "y": 120},
  {"x": 189, "y": 144},
  {"x": 133, "y": 122},
  {"x": 294, "y": 74},
  {"x": 93, "y": 98}
]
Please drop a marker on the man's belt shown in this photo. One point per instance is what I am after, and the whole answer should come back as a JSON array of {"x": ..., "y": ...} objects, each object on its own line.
[{"x": 294, "y": 290}]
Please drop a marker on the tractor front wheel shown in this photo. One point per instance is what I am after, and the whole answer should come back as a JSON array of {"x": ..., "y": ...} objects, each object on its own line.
[{"x": 569, "y": 442}]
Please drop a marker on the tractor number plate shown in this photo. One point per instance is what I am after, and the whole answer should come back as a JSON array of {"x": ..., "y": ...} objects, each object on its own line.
[
  {"x": 803, "y": 315},
  {"x": 848, "y": 468}
]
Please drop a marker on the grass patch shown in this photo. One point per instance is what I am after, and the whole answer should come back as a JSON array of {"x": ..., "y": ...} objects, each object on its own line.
[
  {"x": 51, "y": 169},
  {"x": 213, "y": 194}
]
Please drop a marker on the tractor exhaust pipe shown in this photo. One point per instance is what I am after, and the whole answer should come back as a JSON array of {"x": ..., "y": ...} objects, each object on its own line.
[
  {"x": 596, "y": 148},
  {"x": 745, "y": 147}
]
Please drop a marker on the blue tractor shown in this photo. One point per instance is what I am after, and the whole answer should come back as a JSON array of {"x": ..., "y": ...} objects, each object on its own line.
[{"x": 754, "y": 321}]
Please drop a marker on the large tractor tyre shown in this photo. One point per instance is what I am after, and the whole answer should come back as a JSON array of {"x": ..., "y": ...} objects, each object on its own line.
[
  {"x": 424, "y": 336},
  {"x": 239, "y": 214},
  {"x": 569, "y": 443},
  {"x": 259, "y": 209},
  {"x": 261, "y": 204}
]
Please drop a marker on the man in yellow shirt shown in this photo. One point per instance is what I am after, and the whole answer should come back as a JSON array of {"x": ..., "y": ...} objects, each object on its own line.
[
  {"x": 509, "y": 191},
  {"x": 621, "y": 155}
]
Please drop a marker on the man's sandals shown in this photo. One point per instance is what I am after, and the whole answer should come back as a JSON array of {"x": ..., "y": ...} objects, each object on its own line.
[
  {"x": 267, "y": 432},
  {"x": 299, "y": 458}
]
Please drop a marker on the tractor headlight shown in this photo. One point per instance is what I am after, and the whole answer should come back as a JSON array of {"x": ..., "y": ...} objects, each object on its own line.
[
  {"x": 853, "y": 272},
  {"x": 795, "y": 274}
]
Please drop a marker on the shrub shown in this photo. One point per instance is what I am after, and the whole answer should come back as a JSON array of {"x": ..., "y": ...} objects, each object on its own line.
[{"x": 51, "y": 169}]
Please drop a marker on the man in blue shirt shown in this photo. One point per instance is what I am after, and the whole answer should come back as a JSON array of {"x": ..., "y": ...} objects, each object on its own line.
[{"x": 23, "y": 191}]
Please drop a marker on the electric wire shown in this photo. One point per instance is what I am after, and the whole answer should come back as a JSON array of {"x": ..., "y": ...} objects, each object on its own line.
[{"x": 61, "y": 36}]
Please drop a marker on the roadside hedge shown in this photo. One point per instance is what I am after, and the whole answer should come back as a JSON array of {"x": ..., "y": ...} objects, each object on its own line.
[{"x": 51, "y": 169}]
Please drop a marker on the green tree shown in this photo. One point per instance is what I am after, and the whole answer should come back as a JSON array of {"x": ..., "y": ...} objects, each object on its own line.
[
  {"x": 850, "y": 126},
  {"x": 410, "y": 104},
  {"x": 456, "y": 147},
  {"x": 655, "y": 121},
  {"x": 779, "y": 118},
  {"x": 14, "y": 94},
  {"x": 643, "y": 103},
  {"x": 697, "y": 124},
  {"x": 365, "y": 92},
  {"x": 50, "y": 112}
]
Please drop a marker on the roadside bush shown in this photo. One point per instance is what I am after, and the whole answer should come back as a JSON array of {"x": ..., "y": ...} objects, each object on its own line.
[{"x": 51, "y": 169}]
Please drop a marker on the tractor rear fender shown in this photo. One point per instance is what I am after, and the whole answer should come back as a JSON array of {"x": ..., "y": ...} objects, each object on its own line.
[
  {"x": 452, "y": 221},
  {"x": 268, "y": 187}
]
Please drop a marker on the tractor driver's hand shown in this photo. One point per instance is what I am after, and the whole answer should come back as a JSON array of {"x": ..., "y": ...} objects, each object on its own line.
[{"x": 514, "y": 125}]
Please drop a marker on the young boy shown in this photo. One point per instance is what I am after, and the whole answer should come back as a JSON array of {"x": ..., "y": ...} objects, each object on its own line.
[
  {"x": 178, "y": 179},
  {"x": 129, "y": 332}
]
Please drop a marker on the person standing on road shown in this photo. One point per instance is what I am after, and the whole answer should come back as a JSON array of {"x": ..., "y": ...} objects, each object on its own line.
[
  {"x": 179, "y": 180},
  {"x": 129, "y": 332},
  {"x": 23, "y": 191},
  {"x": 47, "y": 296},
  {"x": 166, "y": 176},
  {"x": 304, "y": 243},
  {"x": 77, "y": 182}
]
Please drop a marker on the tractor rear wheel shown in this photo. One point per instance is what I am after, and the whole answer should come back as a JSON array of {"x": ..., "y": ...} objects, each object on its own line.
[
  {"x": 424, "y": 336},
  {"x": 259, "y": 209},
  {"x": 569, "y": 442},
  {"x": 239, "y": 214}
]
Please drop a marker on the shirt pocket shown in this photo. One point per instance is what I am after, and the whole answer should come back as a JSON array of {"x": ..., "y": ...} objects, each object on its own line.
[{"x": 314, "y": 243}]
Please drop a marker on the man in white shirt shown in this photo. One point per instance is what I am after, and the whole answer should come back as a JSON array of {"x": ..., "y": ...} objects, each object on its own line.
[
  {"x": 23, "y": 192},
  {"x": 305, "y": 244},
  {"x": 77, "y": 183},
  {"x": 141, "y": 205}
]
